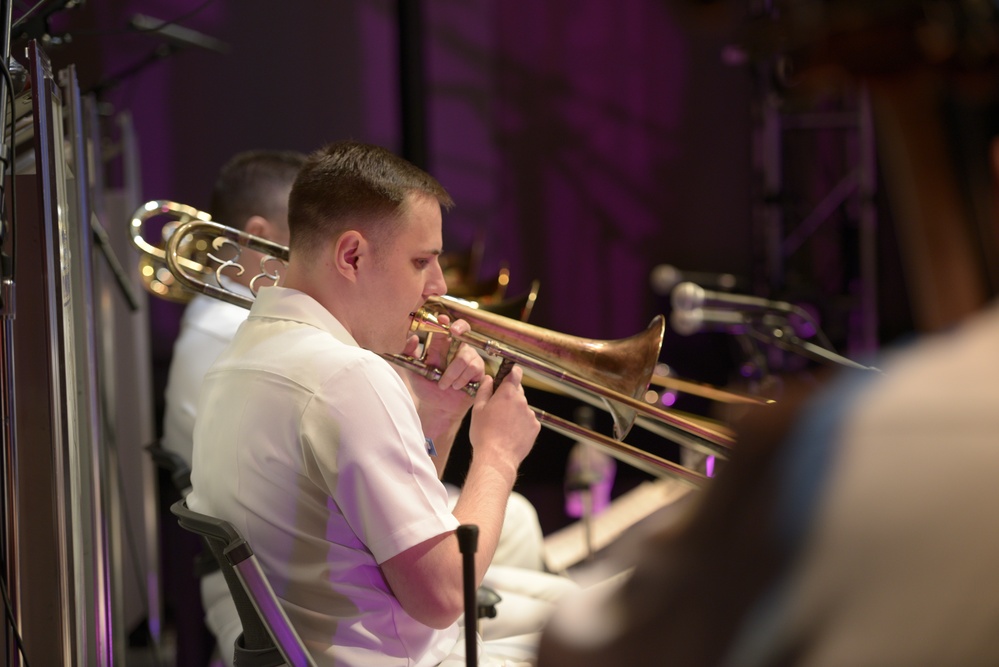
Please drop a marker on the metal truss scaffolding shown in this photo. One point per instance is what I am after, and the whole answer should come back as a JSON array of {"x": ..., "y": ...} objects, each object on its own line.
[{"x": 815, "y": 219}]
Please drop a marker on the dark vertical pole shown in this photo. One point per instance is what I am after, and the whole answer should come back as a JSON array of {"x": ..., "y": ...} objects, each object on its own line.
[
  {"x": 468, "y": 543},
  {"x": 8, "y": 456},
  {"x": 412, "y": 98},
  {"x": 5, "y": 29}
]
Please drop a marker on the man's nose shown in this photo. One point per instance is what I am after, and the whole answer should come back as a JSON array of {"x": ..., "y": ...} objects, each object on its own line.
[{"x": 437, "y": 285}]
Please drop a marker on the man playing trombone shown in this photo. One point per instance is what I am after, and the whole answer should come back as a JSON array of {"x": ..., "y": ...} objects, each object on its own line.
[
  {"x": 312, "y": 445},
  {"x": 251, "y": 194}
]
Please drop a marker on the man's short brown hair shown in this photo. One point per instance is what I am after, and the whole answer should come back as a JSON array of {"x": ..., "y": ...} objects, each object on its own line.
[{"x": 347, "y": 185}]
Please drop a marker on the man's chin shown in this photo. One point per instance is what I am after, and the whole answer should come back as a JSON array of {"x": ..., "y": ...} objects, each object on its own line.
[{"x": 396, "y": 346}]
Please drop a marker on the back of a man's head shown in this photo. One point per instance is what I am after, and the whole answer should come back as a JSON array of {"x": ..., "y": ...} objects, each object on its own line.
[
  {"x": 255, "y": 183},
  {"x": 347, "y": 183}
]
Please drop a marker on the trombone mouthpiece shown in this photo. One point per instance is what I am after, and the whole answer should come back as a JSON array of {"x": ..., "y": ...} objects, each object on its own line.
[{"x": 424, "y": 320}]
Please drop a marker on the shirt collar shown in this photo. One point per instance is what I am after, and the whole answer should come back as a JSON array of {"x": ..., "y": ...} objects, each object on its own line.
[
  {"x": 284, "y": 303},
  {"x": 232, "y": 285}
]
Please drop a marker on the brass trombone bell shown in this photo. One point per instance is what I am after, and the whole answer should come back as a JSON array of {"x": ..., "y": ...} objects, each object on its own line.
[
  {"x": 622, "y": 366},
  {"x": 590, "y": 370}
]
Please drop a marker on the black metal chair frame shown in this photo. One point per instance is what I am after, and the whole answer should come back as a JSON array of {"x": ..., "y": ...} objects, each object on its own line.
[
  {"x": 268, "y": 637},
  {"x": 174, "y": 465}
]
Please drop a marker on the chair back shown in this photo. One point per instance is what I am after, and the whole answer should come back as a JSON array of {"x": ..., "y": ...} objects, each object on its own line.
[
  {"x": 174, "y": 465},
  {"x": 268, "y": 637}
]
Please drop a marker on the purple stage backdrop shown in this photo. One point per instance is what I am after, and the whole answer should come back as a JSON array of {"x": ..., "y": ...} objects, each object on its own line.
[{"x": 585, "y": 142}]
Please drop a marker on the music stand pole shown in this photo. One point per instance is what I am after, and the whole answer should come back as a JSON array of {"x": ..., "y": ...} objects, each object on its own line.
[{"x": 468, "y": 542}]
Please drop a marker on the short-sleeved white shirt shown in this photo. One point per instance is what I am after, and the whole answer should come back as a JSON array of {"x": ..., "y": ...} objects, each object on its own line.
[
  {"x": 312, "y": 448},
  {"x": 205, "y": 330}
]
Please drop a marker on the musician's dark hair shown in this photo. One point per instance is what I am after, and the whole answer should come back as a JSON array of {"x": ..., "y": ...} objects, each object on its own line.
[
  {"x": 253, "y": 183},
  {"x": 351, "y": 185}
]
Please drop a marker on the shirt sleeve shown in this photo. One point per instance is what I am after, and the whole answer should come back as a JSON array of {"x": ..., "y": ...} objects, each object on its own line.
[{"x": 366, "y": 438}]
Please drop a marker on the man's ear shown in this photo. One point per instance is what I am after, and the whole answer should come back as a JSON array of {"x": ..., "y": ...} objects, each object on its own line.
[
  {"x": 266, "y": 228},
  {"x": 348, "y": 250},
  {"x": 259, "y": 226}
]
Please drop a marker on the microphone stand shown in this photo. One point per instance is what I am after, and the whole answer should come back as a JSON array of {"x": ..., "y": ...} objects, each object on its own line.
[
  {"x": 161, "y": 52},
  {"x": 783, "y": 336},
  {"x": 177, "y": 38}
]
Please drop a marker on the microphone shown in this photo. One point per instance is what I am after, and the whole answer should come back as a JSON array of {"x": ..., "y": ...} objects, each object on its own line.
[
  {"x": 687, "y": 322},
  {"x": 695, "y": 320},
  {"x": 665, "y": 277},
  {"x": 689, "y": 296}
]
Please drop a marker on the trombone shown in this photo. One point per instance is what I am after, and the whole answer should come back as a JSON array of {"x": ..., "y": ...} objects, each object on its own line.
[
  {"x": 156, "y": 277},
  {"x": 613, "y": 373}
]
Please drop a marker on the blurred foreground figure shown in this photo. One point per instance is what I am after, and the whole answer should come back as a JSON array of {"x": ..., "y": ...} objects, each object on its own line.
[
  {"x": 854, "y": 532},
  {"x": 854, "y": 526}
]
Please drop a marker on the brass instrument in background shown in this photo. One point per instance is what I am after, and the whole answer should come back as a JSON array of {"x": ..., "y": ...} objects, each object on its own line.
[
  {"x": 156, "y": 276},
  {"x": 459, "y": 269},
  {"x": 583, "y": 366},
  {"x": 461, "y": 273}
]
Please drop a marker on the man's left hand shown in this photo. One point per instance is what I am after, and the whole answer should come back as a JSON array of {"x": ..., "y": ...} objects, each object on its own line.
[{"x": 447, "y": 397}]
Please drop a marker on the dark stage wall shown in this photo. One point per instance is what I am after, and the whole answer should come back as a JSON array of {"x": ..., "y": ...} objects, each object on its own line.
[{"x": 584, "y": 141}]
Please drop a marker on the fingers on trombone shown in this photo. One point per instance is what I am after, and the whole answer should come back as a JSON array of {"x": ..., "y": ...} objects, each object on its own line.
[
  {"x": 412, "y": 347},
  {"x": 441, "y": 349},
  {"x": 484, "y": 391},
  {"x": 509, "y": 373},
  {"x": 452, "y": 351},
  {"x": 466, "y": 368},
  {"x": 457, "y": 329}
]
